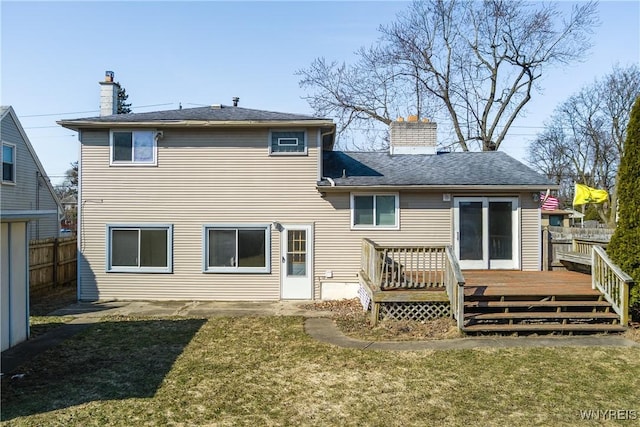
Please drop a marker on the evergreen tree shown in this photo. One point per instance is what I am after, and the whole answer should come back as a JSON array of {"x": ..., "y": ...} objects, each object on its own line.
[
  {"x": 123, "y": 106},
  {"x": 624, "y": 248}
]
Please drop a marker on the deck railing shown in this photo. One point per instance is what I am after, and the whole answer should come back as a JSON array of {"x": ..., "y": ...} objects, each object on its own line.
[
  {"x": 454, "y": 282},
  {"x": 614, "y": 283},
  {"x": 413, "y": 268},
  {"x": 584, "y": 246},
  {"x": 404, "y": 267}
]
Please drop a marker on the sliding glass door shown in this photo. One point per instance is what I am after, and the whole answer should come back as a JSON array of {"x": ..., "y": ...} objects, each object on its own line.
[{"x": 487, "y": 232}]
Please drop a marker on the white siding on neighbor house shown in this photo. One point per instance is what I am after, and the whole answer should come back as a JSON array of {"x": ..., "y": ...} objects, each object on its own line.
[
  {"x": 227, "y": 176},
  {"x": 29, "y": 191}
]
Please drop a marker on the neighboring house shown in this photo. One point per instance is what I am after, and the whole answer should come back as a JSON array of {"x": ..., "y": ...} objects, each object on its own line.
[
  {"x": 25, "y": 184},
  {"x": 29, "y": 210},
  {"x": 229, "y": 203},
  {"x": 70, "y": 212},
  {"x": 556, "y": 218}
]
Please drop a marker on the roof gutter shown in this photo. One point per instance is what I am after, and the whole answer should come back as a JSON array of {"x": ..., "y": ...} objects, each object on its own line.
[
  {"x": 82, "y": 124},
  {"x": 332, "y": 187}
]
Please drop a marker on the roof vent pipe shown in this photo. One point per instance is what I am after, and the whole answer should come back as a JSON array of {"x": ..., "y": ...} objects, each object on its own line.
[{"x": 235, "y": 100}]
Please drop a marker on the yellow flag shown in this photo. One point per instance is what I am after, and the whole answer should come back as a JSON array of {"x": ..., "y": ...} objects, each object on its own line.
[{"x": 584, "y": 195}]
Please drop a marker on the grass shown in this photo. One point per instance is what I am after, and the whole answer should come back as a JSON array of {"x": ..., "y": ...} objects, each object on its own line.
[
  {"x": 42, "y": 324},
  {"x": 44, "y": 302},
  {"x": 267, "y": 371}
]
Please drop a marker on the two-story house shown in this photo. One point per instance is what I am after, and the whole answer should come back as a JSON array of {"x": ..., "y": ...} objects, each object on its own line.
[
  {"x": 29, "y": 209},
  {"x": 230, "y": 203}
]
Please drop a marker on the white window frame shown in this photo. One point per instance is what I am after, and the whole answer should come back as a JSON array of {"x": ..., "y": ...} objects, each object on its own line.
[
  {"x": 133, "y": 162},
  {"x": 13, "y": 160},
  {"x": 355, "y": 226},
  {"x": 305, "y": 142},
  {"x": 236, "y": 226},
  {"x": 137, "y": 226}
]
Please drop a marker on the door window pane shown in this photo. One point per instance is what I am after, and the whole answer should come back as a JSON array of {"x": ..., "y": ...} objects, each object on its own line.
[
  {"x": 124, "y": 248},
  {"x": 470, "y": 230},
  {"x": 500, "y": 230},
  {"x": 296, "y": 253},
  {"x": 386, "y": 210}
]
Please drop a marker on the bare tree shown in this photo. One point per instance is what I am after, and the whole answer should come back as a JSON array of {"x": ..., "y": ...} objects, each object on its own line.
[
  {"x": 475, "y": 62},
  {"x": 583, "y": 142}
]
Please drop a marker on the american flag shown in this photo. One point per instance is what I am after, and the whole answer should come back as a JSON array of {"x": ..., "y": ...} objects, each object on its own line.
[{"x": 548, "y": 203}]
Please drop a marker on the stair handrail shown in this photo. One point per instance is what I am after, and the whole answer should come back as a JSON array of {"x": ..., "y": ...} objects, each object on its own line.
[
  {"x": 454, "y": 283},
  {"x": 614, "y": 283}
]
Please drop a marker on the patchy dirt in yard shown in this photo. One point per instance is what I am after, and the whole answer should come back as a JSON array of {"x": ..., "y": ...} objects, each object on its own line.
[
  {"x": 634, "y": 332},
  {"x": 353, "y": 321}
]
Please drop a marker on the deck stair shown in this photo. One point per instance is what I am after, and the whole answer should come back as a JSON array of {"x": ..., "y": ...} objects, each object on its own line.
[{"x": 539, "y": 309}]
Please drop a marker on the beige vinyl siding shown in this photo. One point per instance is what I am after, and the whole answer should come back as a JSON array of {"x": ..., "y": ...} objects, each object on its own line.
[
  {"x": 227, "y": 176},
  {"x": 531, "y": 233},
  {"x": 424, "y": 220},
  {"x": 202, "y": 177},
  {"x": 26, "y": 194}
]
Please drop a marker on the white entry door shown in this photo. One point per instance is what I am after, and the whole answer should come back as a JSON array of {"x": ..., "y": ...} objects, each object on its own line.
[
  {"x": 487, "y": 232},
  {"x": 297, "y": 261}
]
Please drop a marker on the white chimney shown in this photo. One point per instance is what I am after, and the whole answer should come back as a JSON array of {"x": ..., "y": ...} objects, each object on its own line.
[
  {"x": 109, "y": 95},
  {"x": 413, "y": 136}
]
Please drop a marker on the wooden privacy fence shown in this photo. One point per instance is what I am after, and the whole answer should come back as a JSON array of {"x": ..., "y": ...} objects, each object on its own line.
[{"x": 52, "y": 262}]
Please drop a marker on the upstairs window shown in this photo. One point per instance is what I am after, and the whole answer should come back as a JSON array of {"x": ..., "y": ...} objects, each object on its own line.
[
  {"x": 288, "y": 142},
  {"x": 374, "y": 211},
  {"x": 133, "y": 147},
  {"x": 8, "y": 163}
]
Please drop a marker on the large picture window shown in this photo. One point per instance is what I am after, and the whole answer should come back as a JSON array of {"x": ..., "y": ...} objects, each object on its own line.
[
  {"x": 237, "y": 249},
  {"x": 144, "y": 249},
  {"x": 8, "y": 163},
  {"x": 133, "y": 147},
  {"x": 374, "y": 211},
  {"x": 288, "y": 142}
]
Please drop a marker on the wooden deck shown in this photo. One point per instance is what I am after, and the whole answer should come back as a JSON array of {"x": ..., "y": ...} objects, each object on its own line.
[
  {"x": 507, "y": 301},
  {"x": 532, "y": 283}
]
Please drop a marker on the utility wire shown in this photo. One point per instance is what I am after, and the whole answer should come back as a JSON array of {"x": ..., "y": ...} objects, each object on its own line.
[{"x": 93, "y": 111}]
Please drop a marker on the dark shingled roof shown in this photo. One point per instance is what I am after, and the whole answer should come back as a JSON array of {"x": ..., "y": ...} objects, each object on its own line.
[
  {"x": 218, "y": 113},
  {"x": 491, "y": 168}
]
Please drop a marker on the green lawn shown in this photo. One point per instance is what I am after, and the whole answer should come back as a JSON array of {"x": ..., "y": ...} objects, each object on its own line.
[{"x": 267, "y": 371}]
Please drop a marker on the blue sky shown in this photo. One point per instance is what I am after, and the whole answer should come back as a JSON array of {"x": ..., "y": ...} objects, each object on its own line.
[{"x": 199, "y": 53}]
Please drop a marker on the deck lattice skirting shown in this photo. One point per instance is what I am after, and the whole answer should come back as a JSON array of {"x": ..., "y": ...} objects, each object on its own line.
[{"x": 420, "y": 311}]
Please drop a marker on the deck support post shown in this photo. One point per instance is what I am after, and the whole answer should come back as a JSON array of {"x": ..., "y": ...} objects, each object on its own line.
[{"x": 375, "y": 312}]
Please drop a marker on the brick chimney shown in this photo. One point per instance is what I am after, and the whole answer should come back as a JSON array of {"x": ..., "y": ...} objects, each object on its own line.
[
  {"x": 413, "y": 136},
  {"x": 109, "y": 95}
]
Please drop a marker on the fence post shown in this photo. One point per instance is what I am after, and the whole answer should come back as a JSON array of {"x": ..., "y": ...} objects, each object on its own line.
[
  {"x": 546, "y": 255},
  {"x": 56, "y": 260}
]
